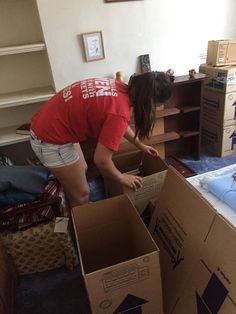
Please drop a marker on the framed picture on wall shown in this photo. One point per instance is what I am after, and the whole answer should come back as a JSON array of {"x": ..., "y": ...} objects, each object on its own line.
[{"x": 93, "y": 46}]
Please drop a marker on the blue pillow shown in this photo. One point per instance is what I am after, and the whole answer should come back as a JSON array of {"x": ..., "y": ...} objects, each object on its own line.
[{"x": 29, "y": 179}]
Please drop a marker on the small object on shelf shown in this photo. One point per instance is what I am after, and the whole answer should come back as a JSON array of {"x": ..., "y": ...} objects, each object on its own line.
[
  {"x": 24, "y": 129},
  {"x": 119, "y": 76},
  {"x": 145, "y": 63},
  {"x": 34, "y": 161},
  {"x": 192, "y": 73},
  {"x": 170, "y": 73}
]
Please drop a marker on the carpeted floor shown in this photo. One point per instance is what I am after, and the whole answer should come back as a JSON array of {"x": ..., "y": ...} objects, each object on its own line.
[
  {"x": 62, "y": 291},
  {"x": 58, "y": 291},
  {"x": 207, "y": 163}
]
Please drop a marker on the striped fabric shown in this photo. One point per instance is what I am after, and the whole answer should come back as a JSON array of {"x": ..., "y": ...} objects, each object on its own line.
[{"x": 26, "y": 214}]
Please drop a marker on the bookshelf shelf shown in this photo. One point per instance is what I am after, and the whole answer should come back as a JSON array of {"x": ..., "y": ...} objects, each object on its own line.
[
  {"x": 165, "y": 137},
  {"x": 187, "y": 109},
  {"x": 186, "y": 134},
  {"x": 8, "y": 136},
  {"x": 24, "y": 97},
  {"x": 167, "y": 112},
  {"x": 12, "y": 50}
]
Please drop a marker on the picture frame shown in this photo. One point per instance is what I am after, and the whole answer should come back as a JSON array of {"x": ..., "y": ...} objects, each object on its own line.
[{"x": 93, "y": 46}]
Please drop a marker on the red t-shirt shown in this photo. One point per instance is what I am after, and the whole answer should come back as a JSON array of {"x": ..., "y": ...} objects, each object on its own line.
[{"x": 97, "y": 108}]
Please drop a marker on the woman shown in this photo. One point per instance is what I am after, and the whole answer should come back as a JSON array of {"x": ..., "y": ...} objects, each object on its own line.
[{"x": 98, "y": 108}]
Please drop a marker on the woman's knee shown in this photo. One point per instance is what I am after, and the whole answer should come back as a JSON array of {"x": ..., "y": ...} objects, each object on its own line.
[{"x": 79, "y": 198}]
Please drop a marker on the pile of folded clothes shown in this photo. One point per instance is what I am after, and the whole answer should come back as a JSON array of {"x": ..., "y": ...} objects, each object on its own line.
[
  {"x": 223, "y": 186},
  {"x": 27, "y": 196},
  {"x": 30, "y": 203}
]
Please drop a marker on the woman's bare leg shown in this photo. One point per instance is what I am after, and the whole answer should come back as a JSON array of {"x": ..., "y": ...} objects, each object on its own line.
[{"x": 73, "y": 179}]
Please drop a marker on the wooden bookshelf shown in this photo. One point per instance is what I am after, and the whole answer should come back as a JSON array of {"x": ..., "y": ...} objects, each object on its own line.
[{"x": 181, "y": 116}]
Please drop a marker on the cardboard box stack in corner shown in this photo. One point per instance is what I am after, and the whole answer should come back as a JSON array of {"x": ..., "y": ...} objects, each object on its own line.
[
  {"x": 197, "y": 251},
  {"x": 119, "y": 258},
  {"x": 219, "y": 99}
]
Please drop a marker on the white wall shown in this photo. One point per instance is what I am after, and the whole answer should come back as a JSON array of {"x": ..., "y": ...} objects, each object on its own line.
[{"x": 174, "y": 34}]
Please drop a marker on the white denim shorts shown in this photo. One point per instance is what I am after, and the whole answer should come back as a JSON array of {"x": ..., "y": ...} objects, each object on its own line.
[{"x": 51, "y": 155}]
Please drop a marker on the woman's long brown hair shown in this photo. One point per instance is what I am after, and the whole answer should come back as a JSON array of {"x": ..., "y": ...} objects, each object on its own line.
[{"x": 146, "y": 91}]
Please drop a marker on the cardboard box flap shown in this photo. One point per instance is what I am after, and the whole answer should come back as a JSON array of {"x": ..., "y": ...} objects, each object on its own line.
[
  {"x": 148, "y": 167},
  {"x": 178, "y": 192},
  {"x": 211, "y": 288},
  {"x": 138, "y": 160},
  {"x": 180, "y": 224},
  {"x": 219, "y": 254},
  {"x": 110, "y": 232},
  {"x": 128, "y": 161}
]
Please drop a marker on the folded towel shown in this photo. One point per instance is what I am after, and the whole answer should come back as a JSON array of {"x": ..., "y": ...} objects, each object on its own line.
[{"x": 223, "y": 187}]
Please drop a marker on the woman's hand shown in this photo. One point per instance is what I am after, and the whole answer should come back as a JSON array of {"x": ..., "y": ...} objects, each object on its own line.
[
  {"x": 131, "y": 181},
  {"x": 149, "y": 150},
  {"x": 130, "y": 136}
]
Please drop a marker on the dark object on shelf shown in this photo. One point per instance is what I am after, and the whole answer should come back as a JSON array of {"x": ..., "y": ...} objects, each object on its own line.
[
  {"x": 24, "y": 129},
  {"x": 180, "y": 167},
  {"x": 119, "y": 76},
  {"x": 34, "y": 161},
  {"x": 5, "y": 160},
  {"x": 145, "y": 63},
  {"x": 192, "y": 73},
  {"x": 170, "y": 73}
]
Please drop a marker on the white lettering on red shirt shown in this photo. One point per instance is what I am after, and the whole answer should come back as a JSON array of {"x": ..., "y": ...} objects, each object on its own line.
[{"x": 98, "y": 87}]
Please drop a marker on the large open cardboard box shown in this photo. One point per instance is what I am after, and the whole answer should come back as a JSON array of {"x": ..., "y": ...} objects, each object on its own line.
[
  {"x": 153, "y": 171},
  {"x": 119, "y": 258},
  {"x": 197, "y": 251}
]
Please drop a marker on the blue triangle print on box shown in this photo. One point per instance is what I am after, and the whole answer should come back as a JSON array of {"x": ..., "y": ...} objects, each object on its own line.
[
  {"x": 130, "y": 305},
  {"x": 201, "y": 306},
  {"x": 213, "y": 297}
]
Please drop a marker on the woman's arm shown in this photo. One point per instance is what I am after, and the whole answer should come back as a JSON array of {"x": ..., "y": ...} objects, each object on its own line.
[
  {"x": 103, "y": 160},
  {"x": 130, "y": 136}
]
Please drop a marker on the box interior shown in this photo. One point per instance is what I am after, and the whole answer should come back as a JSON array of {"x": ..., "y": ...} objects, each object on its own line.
[
  {"x": 110, "y": 232},
  {"x": 146, "y": 164}
]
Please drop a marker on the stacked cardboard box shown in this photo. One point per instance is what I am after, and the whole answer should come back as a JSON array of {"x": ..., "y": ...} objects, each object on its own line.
[{"x": 219, "y": 99}]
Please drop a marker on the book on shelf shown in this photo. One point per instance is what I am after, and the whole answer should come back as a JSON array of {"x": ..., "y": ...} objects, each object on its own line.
[
  {"x": 145, "y": 63},
  {"x": 34, "y": 161},
  {"x": 24, "y": 129}
]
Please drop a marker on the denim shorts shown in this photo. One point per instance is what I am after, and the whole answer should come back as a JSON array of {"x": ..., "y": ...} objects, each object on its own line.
[{"x": 51, "y": 155}]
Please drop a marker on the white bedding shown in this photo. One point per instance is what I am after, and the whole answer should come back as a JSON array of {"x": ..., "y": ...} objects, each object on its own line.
[{"x": 220, "y": 206}]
